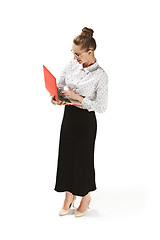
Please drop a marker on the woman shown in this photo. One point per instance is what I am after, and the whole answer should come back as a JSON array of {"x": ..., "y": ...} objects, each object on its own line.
[{"x": 88, "y": 83}]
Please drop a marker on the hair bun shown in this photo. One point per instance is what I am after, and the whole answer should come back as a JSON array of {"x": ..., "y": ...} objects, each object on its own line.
[{"x": 87, "y": 32}]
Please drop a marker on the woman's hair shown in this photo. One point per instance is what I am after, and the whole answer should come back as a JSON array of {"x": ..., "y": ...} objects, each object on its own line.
[{"x": 85, "y": 39}]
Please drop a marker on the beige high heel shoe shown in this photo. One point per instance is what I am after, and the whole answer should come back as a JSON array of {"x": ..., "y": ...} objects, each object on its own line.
[
  {"x": 80, "y": 214},
  {"x": 63, "y": 212}
]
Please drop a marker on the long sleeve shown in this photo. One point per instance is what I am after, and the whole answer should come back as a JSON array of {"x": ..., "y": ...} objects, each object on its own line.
[
  {"x": 61, "y": 82},
  {"x": 100, "y": 103}
]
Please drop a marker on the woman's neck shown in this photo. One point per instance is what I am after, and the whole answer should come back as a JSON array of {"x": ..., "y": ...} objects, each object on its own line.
[{"x": 89, "y": 63}]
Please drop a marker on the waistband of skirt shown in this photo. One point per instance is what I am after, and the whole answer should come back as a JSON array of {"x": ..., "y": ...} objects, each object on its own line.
[{"x": 77, "y": 109}]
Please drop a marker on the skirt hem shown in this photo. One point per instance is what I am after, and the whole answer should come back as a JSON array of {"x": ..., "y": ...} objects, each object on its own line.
[{"x": 75, "y": 193}]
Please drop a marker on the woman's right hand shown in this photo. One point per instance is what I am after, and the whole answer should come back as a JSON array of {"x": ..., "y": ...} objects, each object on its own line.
[{"x": 53, "y": 100}]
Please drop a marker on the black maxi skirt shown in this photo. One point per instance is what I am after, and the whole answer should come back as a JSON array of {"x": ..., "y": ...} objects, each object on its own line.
[{"x": 75, "y": 165}]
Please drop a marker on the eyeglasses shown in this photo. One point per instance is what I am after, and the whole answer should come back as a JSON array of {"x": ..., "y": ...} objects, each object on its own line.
[{"x": 78, "y": 55}]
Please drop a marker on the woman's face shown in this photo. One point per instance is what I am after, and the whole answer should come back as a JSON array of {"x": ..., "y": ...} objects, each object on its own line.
[{"x": 83, "y": 56}]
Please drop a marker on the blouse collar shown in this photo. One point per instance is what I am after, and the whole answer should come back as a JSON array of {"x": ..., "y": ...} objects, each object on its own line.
[
  {"x": 91, "y": 67},
  {"x": 87, "y": 69}
]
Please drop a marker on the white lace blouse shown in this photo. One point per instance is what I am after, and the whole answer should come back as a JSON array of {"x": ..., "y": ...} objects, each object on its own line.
[{"x": 90, "y": 82}]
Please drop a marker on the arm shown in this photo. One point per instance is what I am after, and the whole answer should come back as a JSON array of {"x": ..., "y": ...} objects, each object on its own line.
[
  {"x": 61, "y": 83},
  {"x": 100, "y": 103}
]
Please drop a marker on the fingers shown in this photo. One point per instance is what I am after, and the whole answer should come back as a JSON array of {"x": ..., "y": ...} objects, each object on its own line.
[
  {"x": 52, "y": 97},
  {"x": 63, "y": 103},
  {"x": 53, "y": 100},
  {"x": 58, "y": 103}
]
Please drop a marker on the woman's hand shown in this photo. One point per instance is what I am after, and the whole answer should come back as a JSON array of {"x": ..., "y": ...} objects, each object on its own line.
[
  {"x": 53, "y": 100},
  {"x": 72, "y": 95}
]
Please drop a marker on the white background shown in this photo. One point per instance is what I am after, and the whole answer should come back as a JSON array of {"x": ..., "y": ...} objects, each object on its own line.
[{"x": 126, "y": 202}]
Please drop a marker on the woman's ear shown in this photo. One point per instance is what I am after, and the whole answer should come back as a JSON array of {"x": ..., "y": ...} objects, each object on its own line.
[{"x": 90, "y": 52}]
